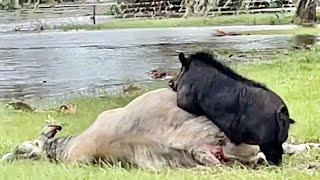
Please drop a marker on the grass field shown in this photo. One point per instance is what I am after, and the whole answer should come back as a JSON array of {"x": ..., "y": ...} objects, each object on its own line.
[
  {"x": 295, "y": 77},
  {"x": 295, "y": 31},
  {"x": 241, "y": 19}
]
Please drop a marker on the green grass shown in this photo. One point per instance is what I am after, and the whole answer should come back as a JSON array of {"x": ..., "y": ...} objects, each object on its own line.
[
  {"x": 295, "y": 77},
  {"x": 295, "y": 31},
  {"x": 241, "y": 19}
]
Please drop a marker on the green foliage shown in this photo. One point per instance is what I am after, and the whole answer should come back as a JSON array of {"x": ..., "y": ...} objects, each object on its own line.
[{"x": 295, "y": 31}]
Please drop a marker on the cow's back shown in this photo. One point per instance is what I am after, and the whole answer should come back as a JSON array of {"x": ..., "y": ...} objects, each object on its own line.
[{"x": 156, "y": 115}]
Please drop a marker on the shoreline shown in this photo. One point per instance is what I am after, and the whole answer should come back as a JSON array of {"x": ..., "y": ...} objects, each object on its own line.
[
  {"x": 243, "y": 19},
  {"x": 67, "y": 24},
  {"x": 109, "y": 22}
]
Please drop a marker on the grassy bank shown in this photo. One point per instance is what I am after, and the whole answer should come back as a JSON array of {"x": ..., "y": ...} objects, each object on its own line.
[
  {"x": 295, "y": 31},
  {"x": 241, "y": 19},
  {"x": 296, "y": 77}
]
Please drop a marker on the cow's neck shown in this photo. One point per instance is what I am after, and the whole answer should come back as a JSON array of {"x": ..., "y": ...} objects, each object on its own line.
[{"x": 56, "y": 148}]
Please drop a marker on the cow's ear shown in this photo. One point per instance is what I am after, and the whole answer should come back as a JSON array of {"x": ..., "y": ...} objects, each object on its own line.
[
  {"x": 50, "y": 131},
  {"x": 184, "y": 61}
]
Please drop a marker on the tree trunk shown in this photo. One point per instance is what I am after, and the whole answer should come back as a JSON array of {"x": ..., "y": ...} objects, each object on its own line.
[
  {"x": 306, "y": 13},
  {"x": 16, "y": 4},
  {"x": 10, "y": 4}
]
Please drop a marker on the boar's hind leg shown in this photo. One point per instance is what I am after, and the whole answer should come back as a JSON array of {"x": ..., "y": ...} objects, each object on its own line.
[{"x": 206, "y": 154}]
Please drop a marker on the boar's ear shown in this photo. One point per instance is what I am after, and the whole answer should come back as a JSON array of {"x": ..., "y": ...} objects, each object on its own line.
[
  {"x": 291, "y": 121},
  {"x": 283, "y": 123},
  {"x": 173, "y": 85},
  {"x": 184, "y": 61}
]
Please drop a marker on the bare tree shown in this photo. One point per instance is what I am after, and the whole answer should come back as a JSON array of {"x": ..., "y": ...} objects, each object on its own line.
[
  {"x": 306, "y": 13},
  {"x": 203, "y": 7},
  {"x": 199, "y": 7}
]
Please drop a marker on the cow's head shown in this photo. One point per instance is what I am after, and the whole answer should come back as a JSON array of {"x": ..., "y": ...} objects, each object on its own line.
[{"x": 33, "y": 149}]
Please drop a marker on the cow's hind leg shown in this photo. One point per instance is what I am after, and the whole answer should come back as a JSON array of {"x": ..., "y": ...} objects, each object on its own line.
[{"x": 208, "y": 154}]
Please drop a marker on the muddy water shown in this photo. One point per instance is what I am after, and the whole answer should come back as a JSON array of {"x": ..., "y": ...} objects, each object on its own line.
[{"x": 57, "y": 63}]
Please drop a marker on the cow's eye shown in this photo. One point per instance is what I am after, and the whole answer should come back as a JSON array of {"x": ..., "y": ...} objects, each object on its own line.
[{"x": 20, "y": 151}]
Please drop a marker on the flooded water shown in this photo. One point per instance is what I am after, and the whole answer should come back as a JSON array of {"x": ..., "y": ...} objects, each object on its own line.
[{"x": 57, "y": 63}]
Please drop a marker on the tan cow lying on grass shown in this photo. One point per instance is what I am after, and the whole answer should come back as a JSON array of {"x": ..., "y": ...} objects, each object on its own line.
[{"x": 150, "y": 132}]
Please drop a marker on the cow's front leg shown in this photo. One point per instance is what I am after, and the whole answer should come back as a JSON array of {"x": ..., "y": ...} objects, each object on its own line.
[{"x": 207, "y": 154}]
